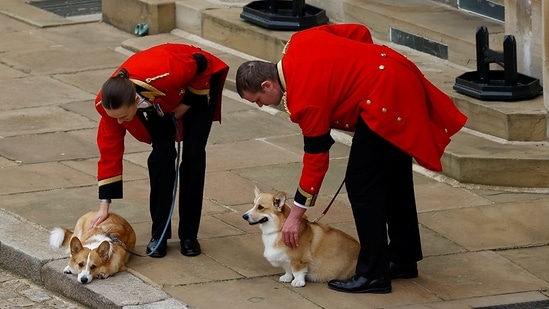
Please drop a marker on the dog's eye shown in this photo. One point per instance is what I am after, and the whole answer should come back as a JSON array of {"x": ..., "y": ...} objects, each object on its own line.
[
  {"x": 260, "y": 207},
  {"x": 92, "y": 267},
  {"x": 81, "y": 264}
]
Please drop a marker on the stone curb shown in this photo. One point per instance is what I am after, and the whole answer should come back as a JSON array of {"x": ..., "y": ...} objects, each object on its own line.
[{"x": 25, "y": 251}]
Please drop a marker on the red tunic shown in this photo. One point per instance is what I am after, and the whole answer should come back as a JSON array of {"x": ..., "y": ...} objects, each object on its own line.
[
  {"x": 167, "y": 71},
  {"x": 334, "y": 74}
]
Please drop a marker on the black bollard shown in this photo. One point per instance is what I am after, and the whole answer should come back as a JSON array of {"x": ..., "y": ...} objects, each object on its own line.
[{"x": 497, "y": 85}]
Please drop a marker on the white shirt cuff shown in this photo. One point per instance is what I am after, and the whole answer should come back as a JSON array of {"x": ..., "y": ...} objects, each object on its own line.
[{"x": 301, "y": 206}]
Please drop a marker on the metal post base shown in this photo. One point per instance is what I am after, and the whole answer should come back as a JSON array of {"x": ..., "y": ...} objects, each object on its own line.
[
  {"x": 526, "y": 88},
  {"x": 257, "y": 13}
]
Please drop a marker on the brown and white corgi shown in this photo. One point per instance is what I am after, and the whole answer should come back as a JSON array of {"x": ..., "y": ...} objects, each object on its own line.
[
  {"x": 97, "y": 252},
  {"x": 324, "y": 253}
]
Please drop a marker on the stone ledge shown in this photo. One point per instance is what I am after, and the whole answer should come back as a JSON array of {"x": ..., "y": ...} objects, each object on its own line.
[
  {"x": 474, "y": 159},
  {"x": 118, "y": 291},
  {"x": 22, "y": 11},
  {"x": 24, "y": 246}
]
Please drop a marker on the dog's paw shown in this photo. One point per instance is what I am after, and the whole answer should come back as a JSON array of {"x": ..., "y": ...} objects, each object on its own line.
[
  {"x": 67, "y": 270},
  {"x": 298, "y": 282},
  {"x": 102, "y": 276},
  {"x": 286, "y": 278}
]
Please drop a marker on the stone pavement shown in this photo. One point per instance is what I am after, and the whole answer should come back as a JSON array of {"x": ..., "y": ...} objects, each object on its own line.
[
  {"x": 19, "y": 292},
  {"x": 483, "y": 246}
]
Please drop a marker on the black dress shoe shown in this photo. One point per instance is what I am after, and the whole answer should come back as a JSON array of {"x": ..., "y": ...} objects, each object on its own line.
[
  {"x": 190, "y": 247},
  {"x": 160, "y": 250},
  {"x": 358, "y": 284},
  {"x": 403, "y": 270}
]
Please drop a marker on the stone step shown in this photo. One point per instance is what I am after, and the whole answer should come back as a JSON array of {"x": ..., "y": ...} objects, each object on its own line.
[{"x": 471, "y": 158}]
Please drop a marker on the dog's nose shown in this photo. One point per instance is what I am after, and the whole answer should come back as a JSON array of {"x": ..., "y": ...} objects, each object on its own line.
[
  {"x": 245, "y": 216},
  {"x": 84, "y": 280}
]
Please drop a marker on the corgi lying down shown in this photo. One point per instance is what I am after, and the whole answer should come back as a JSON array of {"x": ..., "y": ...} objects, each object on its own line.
[{"x": 99, "y": 252}]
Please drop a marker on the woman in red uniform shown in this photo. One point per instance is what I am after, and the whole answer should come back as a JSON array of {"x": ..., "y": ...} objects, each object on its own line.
[
  {"x": 158, "y": 95},
  {"x": 333, "y": 76}
]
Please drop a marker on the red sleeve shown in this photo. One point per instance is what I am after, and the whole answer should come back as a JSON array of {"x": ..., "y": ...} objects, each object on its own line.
[
  {"x": 110, "y": 142},
  {"x": 314, "y": 123},
  {"x": 314, "y": 169}
]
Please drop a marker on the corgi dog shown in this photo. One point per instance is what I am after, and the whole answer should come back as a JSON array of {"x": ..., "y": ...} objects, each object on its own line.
[
  {"x": 324, "y": 253},
  {"x": 97, "y": 252}
]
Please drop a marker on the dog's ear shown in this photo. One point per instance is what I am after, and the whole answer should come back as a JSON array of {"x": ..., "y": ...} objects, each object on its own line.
[
  {"x": 256, "y": 191},
  {"x": 104, "y": 251},
  {"x": 279, "y": 200},
  {"x": 75, "y": 245}
]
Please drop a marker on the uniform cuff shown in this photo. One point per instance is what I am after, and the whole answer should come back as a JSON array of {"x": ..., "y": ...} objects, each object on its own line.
[{"x": 304, "y": 198}]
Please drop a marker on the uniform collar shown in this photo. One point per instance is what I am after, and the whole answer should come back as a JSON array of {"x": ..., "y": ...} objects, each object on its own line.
[{"x": 281, "y": 78}]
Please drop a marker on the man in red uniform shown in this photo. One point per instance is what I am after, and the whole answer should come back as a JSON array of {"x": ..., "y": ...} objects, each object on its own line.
[
  {"x": 333, "y": 76},
  {"x": 160, "y": 94}
]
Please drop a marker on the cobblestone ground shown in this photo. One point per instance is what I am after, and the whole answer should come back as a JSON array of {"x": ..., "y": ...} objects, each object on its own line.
[{"x": 18, "y": 292}]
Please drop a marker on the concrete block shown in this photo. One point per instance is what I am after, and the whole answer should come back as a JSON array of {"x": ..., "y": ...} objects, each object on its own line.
[
  {"x": 188, "y": 15},
  {"x": 224, "y": 26},
  {"x": 126, "y": 14},
  {"x": 473, "y": 159},
  {"x": 524, "y": 121}
]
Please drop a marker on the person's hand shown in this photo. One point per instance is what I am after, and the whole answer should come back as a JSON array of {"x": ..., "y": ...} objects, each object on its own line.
[
  {"x": 101, "y": 214},
  {"x": 290, "y": 230}
]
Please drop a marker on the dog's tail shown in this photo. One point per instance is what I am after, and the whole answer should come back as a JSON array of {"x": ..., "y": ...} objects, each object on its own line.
[{"x": 59, "y": 237}]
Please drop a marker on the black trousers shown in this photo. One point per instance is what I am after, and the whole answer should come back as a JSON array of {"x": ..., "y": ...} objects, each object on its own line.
[
  {"x": 379, "y": 182},
  {"x": 197, "y": 123}
]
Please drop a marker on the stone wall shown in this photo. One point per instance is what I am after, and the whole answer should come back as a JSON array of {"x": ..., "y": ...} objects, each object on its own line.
[
  {"x": 545, "y": 49},
  {"x": 159, "y": 15},
  {"x": 523, "y": 20}
]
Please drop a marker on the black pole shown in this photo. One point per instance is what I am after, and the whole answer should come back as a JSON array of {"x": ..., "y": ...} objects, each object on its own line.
[
  {"x": 272, "y": 6},
  {"x": 510, "y": 60},
  {"x": 483, "y": 66},
  {"x": 298, "y": 7}
]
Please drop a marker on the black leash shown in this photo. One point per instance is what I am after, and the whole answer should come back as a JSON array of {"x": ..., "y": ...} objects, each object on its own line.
[
  {"x": 330, "y": 204},
  {"x": 153, "y": 250},
  {"x": 114, "y": 239}
]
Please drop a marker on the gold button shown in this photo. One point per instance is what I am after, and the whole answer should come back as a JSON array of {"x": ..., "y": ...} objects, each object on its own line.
[
  {"x": 312, "y": 188},
  {"x": 399, "y": 118},
  {"x": 384, "y": 110},
  {"x": 445, "y": 130},
  {"x": 368, "y": 101},
  {"x": 381, "y": 67},
  {"x": 383, "y": 55},
  {"x": 347, "y": 125}
]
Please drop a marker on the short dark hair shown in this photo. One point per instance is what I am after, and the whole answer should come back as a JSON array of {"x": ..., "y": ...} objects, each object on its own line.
[
  {"x": 251, "y": 74},
  {"x": 118, "y": 90}
]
